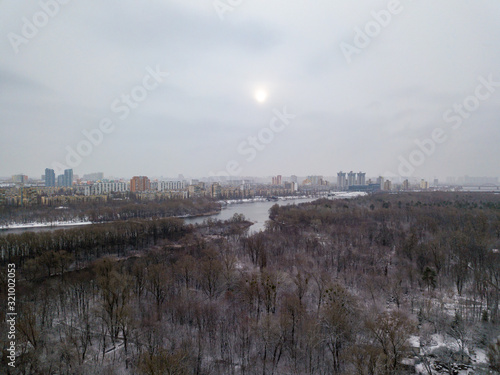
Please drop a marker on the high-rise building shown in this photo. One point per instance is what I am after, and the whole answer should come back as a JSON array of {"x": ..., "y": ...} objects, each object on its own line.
[
  {"x": 351, "y": 178},
  {"x": 277, "y": 180},
  {"x": 139, "y": 183},
  {"x": 68, "y": 178},
  {"x": 50, "y": 177},
  {"x": 60, "y": 180},
  {"x": 361, "y": 178},
  {"x": 406, "y": 185},
  {"x": 341, "y": 181}
]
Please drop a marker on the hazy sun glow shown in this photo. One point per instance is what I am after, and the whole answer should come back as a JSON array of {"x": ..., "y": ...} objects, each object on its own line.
[{"x": 261, "y": 95}]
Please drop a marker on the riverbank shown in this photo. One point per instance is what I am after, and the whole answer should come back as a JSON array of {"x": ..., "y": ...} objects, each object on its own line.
[
  {"x": 56, "y": 224},
  {"x": 44, "y": 225},
  {"x": 223, "y": 203},
  {"x": 335, "y": 195},
  {"x": 263, "y": 199}
]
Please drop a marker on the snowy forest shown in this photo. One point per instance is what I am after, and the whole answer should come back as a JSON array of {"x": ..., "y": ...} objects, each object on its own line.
[{"x": 381, "y": 284}]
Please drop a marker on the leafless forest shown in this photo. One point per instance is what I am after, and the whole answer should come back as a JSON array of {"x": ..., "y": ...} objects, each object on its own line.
[
  {"x": 120, "y": 208},
  {"x": 362, "y": 286}
]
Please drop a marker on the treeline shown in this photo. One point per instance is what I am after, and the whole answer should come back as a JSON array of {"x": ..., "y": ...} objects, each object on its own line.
[
  {"x": 111, "y": 210},
  {"x": 331, "y": 287},
  {"x": 90, "y": 242},
  {"x": 436, "y": 240}
]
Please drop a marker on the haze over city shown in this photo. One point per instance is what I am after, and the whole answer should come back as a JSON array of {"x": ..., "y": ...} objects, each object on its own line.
[{"x": 186, "y": 86}]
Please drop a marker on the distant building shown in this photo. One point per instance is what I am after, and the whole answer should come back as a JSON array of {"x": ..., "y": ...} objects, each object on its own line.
[
  {"x": 351, "y": 178},
  {"x": 406, "y": 185},
  {"x": 294, "y": 178},
  {"x": 140, "y": 183},
  {"x": 388, "y": 185},
  {"x": 341, "y": 181},
  {"x": 292, "y": 186},
  {"x": 380, "y": 181},
  {"x": 171, "y": 185},
  {"x": 63, "y": 180},
  {"x": 83, "y": 190},
  {"x": 369, "y": 188},
  {"x": 316, "y": 180},
  {"x": 216, "y": 190},
  {"x": 277, "y": 180},
  {"x": 20, "y": 179},
  {"x": 361, "y": 178},
  {"x": 101, "y": 188},
  {"x": 68, "y": 178},
  {"x": 50, "y": 177},
  {"x": 424, "y": 185}
]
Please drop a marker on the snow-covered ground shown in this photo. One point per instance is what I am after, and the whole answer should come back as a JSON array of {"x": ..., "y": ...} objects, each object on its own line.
[
  {"x": 342, "y": 194},
  {"x": 349, "y": 194},
  {"x": 44, "y": 225},
  {"x": 260, "y": 199},
  {"x": 440, "y": 342}
]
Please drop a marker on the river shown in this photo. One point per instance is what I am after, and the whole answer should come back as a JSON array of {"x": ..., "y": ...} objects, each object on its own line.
[{"x": 256, "y": 212}]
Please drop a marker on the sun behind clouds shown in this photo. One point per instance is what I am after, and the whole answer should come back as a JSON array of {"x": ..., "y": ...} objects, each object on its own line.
[{"x": 261, "y": 95}]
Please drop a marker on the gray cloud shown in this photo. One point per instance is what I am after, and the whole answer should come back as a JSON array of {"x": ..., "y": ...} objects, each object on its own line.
[{"x": 361, "y": 115}]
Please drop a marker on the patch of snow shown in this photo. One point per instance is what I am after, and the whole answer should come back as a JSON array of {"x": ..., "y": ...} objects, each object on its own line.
[
  {"x": 44, "y": 225},
  {"x": 414, "y": 341},
  {"x": 420, "y": 369},
  {"x": 437, "y": 340},
  {"x": 479, "y": 356}
]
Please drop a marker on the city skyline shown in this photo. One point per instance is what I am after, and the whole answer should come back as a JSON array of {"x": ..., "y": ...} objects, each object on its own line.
[{"x": 341, "y": 179}]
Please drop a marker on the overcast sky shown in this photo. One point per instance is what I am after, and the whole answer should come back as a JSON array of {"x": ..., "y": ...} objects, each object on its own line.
[{"x": 351, "y": 102}]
